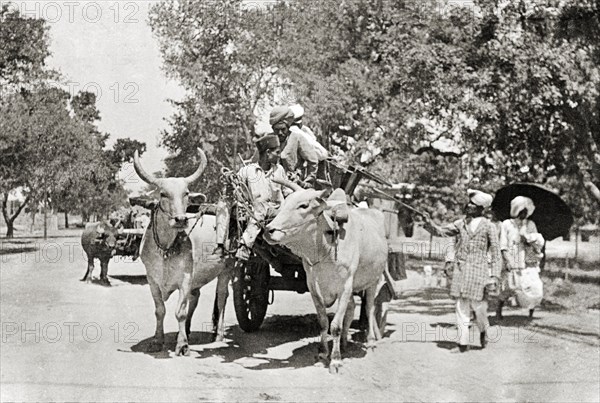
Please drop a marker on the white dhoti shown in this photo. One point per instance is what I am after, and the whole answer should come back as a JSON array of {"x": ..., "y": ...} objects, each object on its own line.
[
  {"x": 530, "y": 290},
  {"x": 463, "y": 316}
]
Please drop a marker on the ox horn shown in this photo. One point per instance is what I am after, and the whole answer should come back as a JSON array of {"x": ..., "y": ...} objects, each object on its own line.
[
  {"x": 200, "y": 169},
  {"x": 146, "y": 177},
  {"x": 284, "y": 182}
]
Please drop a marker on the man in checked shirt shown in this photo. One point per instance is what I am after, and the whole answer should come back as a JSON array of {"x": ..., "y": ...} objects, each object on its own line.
[{"x": 477, "y": 264}]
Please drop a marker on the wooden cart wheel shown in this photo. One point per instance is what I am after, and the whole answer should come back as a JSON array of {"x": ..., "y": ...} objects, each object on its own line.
[{"x": 251, "y": 293}]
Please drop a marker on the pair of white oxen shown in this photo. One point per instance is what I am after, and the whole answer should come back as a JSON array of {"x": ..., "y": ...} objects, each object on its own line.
[{"x": 172, "y": 245}]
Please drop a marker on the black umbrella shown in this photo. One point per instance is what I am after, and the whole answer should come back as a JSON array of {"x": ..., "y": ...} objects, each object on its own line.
[{"x": 552, "y": 216}]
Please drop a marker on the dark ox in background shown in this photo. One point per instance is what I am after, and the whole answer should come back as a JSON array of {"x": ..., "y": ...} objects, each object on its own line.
[{"x": 99, "y": 241}]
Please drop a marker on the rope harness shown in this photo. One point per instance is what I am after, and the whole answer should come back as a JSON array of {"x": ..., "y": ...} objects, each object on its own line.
[
  {"x": 242, "y": 195},
  {"x": 244, "y": 200},
  {"x": 180, "y": 238}
]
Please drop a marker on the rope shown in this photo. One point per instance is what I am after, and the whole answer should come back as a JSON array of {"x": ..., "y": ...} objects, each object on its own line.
[
  {"x": 155, "y": 233},
  {"x": 167, "y": 250}
]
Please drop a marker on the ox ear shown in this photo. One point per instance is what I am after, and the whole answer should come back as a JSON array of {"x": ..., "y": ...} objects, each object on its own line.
[
  {"x": 143, "y": 202},
  {"x": 100, "y": 229},
  {"x": 197, "y": 198}
]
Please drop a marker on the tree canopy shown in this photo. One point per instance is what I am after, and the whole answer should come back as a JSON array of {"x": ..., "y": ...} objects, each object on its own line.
[
  {"x": 492, "y": 93},
  {"x": 50, "y": 144}
]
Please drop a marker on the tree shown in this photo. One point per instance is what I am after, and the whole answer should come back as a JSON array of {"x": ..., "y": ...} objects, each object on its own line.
[
  {"x": 545, "y": 125},
  {"x": 123, "y": 150},
  {"x": 213, "y": 50},
  {"x": 494, "y": 93},
  {"x": 23, "y": 49},
  {"x": 95, "y": 188}
]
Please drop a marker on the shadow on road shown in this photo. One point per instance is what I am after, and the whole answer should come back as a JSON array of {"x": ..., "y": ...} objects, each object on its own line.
[
  {"x": 449, "y": 345},
  {"x": 131, "y": 279},
  {"x": 431, "y": 301},
  {"x": 23, "y": 249},
  {"x": 195, "y": 338},
  {"x": 559, "y": 332},
  {"x": 275, "y": 332}
]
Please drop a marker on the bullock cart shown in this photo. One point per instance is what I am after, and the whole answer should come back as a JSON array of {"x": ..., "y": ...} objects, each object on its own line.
[
  {"x": 128, "y": 242},
  {"x": 130, "y": 239},
  {"x": 274, "y": 267}
]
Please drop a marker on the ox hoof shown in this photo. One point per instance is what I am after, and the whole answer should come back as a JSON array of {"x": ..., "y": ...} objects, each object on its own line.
[
  {"x": 371, "y": 344},
  {"x": 182, "y": 349},
  {"x": 335, "y": 366},
  {"x": 105, "y": 283}
]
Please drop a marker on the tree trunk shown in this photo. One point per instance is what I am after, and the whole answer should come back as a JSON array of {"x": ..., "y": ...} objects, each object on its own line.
[
  {"x": 66, "y": 219},
  {"x": 10, "y": 229},
  {"x": 10, "y": 220},
  {"x": 45, "y": 215},
  {"x": 32, "y": 221}
]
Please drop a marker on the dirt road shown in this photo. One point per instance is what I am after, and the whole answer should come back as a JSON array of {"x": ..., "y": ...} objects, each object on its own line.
[{"x": 66, "y": 340}]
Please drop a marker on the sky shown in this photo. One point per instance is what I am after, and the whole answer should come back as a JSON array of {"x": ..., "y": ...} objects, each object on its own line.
[{"x": 108, "y": 48}]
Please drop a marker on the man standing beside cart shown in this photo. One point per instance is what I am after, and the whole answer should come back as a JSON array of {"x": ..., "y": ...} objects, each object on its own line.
[{"x": 477, "y": 264}]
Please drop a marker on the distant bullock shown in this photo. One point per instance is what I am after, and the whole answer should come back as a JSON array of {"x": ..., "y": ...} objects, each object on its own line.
[
  {"x": 174, "y": 250},
  {"x": 99, "y": 240},
  {"x": 337, "y": 261}
]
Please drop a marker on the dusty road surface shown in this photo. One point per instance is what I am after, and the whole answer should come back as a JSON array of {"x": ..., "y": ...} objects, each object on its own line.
[{"x": 67, "y": 340}]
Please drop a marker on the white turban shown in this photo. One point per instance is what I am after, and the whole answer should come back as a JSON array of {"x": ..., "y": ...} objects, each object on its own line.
[
  {"x": 262, "y": 129},
  {"x": 479, "y": 198},
  {"x": 298, "y": 111},
  {"x": 519, "y": 203}
]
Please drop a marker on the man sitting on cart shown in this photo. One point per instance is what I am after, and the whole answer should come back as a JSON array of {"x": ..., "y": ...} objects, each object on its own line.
[
  {"x": 265, "y": 195},
  {"x": 296, "y": 149}
]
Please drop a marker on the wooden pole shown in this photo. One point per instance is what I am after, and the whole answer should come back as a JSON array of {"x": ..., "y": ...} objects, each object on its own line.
[
  {"x": 430, "y": 244},
  {"x": 45, "y": 213},
  {"x": 576, "y": 244},
  {"x": 235, "y": 151}
]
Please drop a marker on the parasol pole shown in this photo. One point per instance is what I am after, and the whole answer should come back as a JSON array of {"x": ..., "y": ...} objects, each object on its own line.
[{"x": 382, "y": 193}]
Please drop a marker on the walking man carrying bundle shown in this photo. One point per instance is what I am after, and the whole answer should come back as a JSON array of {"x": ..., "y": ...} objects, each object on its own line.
[
  {"x": 521, "y": 246},
  {"x": 476, "y": 249}
]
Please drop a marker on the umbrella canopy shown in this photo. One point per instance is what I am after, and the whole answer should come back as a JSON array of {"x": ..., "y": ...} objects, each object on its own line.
[{"x": 552, "y": 216}]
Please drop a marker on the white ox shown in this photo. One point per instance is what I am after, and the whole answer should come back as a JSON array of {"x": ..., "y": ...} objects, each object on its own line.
[
  {"x": 361, "y": 258},
  {"x": 174, "y": 250}
]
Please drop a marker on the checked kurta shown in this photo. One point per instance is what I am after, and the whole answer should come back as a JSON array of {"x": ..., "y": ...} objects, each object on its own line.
[{"x": 477, "y": 256}]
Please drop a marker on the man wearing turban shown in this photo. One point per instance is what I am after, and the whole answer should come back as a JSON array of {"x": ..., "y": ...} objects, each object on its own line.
[
  {"x": 476, "y": 247},
  {"x": 295, "y": 147},
  {"x": 298, "y": 111},
  {"x": 265, "y": 195},
  {"x": 521, "y": 247}
]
